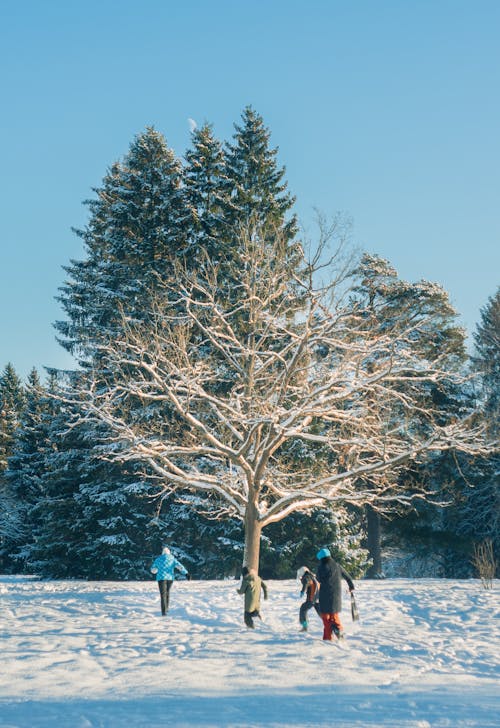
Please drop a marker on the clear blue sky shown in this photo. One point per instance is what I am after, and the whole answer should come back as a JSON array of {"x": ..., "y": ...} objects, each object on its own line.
[{"x": 386, "y": 110}]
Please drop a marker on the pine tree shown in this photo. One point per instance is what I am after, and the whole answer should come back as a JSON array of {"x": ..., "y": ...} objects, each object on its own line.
[
  {"x": 294, "y": 542},
  {"x": 118, "y": 519},
  {"x": 478, "y": 516},
  {"x": 26, "y": 466},
  {"x": 442, "y": 539},
  {"x": 136, "y": 230},
  {"x": 438, "y": 338},
  {"x": 55, "y": 551},
  {"x": 474, "y": 514},
  {"x": 258, "y": 196},
  {"x": 487, "y": 359},
  {"x": 12, "y": 404},
  {"x": 205, "y": 184},
  {"x": 64, "y": 533}
]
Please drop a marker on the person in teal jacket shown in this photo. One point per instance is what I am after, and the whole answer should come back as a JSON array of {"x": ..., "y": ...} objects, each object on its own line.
[{"x": 164, "y": 567}]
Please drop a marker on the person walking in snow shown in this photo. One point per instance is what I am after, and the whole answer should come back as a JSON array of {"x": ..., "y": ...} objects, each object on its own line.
[
  {"x": 330, "y": 575},
  {"x": 164, "y": 567},
  {"x": 251, "y": 584},
  {"x": 310, "y": 589}
]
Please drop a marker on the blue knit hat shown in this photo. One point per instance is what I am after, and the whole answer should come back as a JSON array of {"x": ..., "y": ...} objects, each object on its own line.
[{"x": 322, "y": 553}]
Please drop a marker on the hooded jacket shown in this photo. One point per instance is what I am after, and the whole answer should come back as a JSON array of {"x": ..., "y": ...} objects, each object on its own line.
[
  {"x": 166, "y": 565},
  {"x": 330, "y": 575},
  {"x": 251, "y": 585},
  {"x": 310, "y": 586}
]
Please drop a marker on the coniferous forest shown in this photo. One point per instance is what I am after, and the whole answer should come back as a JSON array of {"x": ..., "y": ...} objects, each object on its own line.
[{"x": 241, "y": 395}]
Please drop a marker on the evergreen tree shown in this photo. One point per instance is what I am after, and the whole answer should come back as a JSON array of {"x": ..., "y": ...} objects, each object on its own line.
[
  {"x": 478, "y": 512},
  {"x": 474, "y": 513},
  {"x": 487, "y": 359},
  {"x": 205, "y": 184},
  {"x": 258, "y": 196},
  {"x": 117, "y": 519},
  {"x": 294, "y": 542},
  {"x": 55, "y": 551},
  {"x": 137, "y": 227},
  {"x": 441, "y": 540},
  {"x": 77, "y": 520},
  {"x": 210, "y": 549},
  {"x": 12, "y": 404},
  {"x": 26, "y": 466},
  {"x": 436, "y": 335}
]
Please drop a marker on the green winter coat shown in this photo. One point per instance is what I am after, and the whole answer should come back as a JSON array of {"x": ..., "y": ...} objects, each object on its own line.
[{"x": 250, "y": 586}]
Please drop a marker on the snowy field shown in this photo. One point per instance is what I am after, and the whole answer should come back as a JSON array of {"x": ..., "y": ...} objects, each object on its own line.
[{"x": 96, "y": 654}]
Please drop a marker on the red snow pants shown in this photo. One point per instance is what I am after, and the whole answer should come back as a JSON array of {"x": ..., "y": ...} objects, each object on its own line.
[{"x": 331, "y": 623}]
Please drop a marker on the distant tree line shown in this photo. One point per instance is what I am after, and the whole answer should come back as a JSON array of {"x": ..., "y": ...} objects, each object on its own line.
[{"x": 195, "y": 284}]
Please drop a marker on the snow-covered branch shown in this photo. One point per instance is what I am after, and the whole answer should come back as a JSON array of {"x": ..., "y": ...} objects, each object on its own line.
[{"x": 225, "y": 389}]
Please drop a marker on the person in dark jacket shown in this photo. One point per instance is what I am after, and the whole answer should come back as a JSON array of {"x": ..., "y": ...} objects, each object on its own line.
[
  {"x": 330, "y": 575},
  {"x": 251, "y": 584},
  {"x": 310, "y": 589}
]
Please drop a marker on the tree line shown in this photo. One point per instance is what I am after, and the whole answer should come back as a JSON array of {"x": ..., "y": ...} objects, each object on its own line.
[{"x": 240, "y": 394}]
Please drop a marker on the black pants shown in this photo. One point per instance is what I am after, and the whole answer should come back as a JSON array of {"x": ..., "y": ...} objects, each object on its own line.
[
  {"x": 249, "y": 620},
  {"x": 304, "y": 608},
  {"x": 164, "y": 587}
]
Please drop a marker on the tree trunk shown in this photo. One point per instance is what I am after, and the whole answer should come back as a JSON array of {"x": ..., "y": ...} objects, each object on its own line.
[
  {"x": 253, "y": 529},
  {"x": 373, "y": 543}
]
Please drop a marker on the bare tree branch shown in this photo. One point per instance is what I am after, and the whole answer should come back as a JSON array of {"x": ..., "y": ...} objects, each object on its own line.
[{"x": 243, "y": 375}]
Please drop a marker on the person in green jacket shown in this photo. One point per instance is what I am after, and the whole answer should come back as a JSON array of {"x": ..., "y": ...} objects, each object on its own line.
[{"x": 251, "y": 584}]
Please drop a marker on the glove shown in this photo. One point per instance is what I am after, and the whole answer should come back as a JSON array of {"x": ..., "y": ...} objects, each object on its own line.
[{"x": 188, "y": 576}]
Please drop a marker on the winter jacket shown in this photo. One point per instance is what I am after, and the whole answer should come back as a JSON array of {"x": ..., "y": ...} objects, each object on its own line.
[
  {"x": 166, "y": 564},
  {"x": 310, "y": 587},
  {"x": 250, "y": 586},
  {"x": 329, "y": 575}
]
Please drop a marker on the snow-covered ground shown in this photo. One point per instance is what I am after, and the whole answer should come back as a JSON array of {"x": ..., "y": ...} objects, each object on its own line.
[{"x": 88, "y": 654}]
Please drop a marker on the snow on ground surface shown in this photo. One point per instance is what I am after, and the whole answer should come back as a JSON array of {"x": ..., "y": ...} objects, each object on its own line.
[{"x": 425, "y": 654}]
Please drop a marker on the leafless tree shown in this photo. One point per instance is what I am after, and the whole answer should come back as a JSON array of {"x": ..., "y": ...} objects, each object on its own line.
[
  {"x": 234, "y": 383},
  {"x": 485, "y": 563}
]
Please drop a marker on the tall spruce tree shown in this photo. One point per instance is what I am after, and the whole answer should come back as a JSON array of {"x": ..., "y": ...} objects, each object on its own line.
[
  {"x": 472, "y": 485},
  {"x": 136, "y": 229},
  {"x": 486, "y": 359},
  {"x": 25, "y": 470},
  {"x": 12, "y": 404},
  {"x": 479, "y": 514},
  {"x": 93, "y": 524},
  {"x": 206, "y": 194},
  {"x": 257, "y": 192},
  {"x": 440, "y": 541}
]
